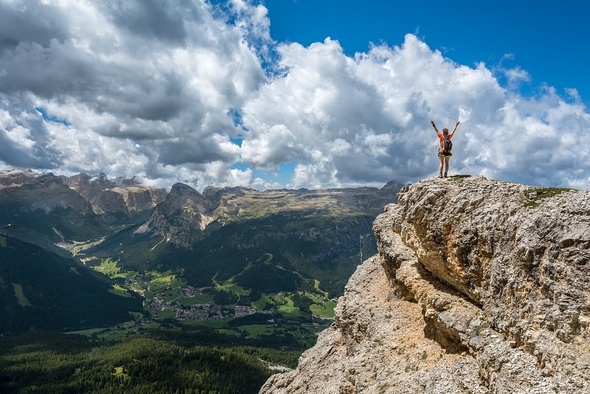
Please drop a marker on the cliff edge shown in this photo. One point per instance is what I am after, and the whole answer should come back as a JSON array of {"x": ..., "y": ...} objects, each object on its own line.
[{"x": 479, "y": 286}]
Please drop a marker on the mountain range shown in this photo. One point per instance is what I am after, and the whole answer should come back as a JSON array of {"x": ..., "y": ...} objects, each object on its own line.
[{"x": 238, "y": 246}]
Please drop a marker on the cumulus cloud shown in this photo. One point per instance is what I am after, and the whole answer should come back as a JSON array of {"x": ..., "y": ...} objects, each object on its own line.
[
  {"x": 199, "y": 93},
  {"x": 120, "y": 72},
  {"x": 367, "y": 119}
]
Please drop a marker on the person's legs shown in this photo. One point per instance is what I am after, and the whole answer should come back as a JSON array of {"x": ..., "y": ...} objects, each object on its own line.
[
  {"x": 440, "y": 166},
  {"x": 447, "y": 165}
]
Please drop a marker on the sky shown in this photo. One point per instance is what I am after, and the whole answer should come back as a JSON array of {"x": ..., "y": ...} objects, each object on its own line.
[{"x": 295, "y": 93}]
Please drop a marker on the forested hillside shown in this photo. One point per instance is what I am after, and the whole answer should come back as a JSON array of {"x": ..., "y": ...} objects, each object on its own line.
[
  {"x": 58, "y": 363},
  {"x": 42, "y": 291}
]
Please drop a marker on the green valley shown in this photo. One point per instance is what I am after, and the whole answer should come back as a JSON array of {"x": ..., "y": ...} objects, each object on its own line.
[{"x": 114, "y": 287}]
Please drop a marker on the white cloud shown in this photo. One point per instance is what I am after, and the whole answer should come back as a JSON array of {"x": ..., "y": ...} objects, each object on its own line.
[
  {"x": 369, "y": 117},
  {"x": 177, "y": 92},
  {"x": 118, "y": 72},
  {"x": 375, "y": 107}
]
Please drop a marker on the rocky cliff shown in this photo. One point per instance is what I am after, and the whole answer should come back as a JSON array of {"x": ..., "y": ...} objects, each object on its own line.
[
  {"x": 85, "y": 194},
  {"x": 181, "y": 217},
  {"x": 120, "y": 197},
  {"x": 30, "y": 191},
  {"x": 479, "y": 286}
]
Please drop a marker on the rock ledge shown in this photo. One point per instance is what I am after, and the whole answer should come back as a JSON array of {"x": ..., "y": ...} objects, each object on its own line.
[{"x": 479, "y": 286}]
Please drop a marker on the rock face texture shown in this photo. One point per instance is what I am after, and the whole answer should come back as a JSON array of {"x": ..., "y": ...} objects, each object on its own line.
[
  {"x": 181, "y": 217},
  {"x": 479, "y": 286},
  {"x": 123, "y": 196},
  {"x": 30, "y": 191}
]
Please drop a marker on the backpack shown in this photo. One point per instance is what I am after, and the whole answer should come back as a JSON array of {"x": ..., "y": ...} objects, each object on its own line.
[{"x": 447, "y": 145}]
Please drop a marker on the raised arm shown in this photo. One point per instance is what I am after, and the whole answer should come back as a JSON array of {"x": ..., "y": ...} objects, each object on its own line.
[
  {"x": 455, "y": 129},
  {"x": 433, "y": 125}
]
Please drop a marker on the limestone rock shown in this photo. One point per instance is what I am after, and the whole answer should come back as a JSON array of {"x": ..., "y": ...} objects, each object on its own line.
[
  {"x": 479, "y": 286},
  {"x": 181, "y": 217},
  {"x": 122, "y": 196},
  {"x": 26, "y": 191}
]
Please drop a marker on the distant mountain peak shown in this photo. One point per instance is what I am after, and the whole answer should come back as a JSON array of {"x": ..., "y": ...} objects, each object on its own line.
[{"x": 181, "y": 217}]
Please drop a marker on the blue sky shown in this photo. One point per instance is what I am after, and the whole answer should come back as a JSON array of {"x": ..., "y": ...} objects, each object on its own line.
[
  {"x": 295, "y": 93},
  {"x": 547, "y": 38}
]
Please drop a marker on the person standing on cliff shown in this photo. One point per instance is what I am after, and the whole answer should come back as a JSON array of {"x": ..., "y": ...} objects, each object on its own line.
[{"x": 444, "y": 149}]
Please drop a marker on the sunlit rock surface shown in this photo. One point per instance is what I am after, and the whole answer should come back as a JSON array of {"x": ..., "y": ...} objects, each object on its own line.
[{"x": 479, "y": 286}]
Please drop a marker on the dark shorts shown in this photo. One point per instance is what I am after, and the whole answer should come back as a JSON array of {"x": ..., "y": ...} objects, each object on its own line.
[{"x": 445, "y": 154}]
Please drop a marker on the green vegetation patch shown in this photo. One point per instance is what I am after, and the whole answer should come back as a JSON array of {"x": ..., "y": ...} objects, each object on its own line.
[
  {"x": 20, "y": 295},
  {"x": 120, "y": 372},
  {"x": 204, "y": 298},
  {"x": 289, "y": 310},
  {"x": 233, "y": 288},
  {"x": 325, "y": 310},
  {"x": 109, "y": 268},
  {"x": 167, "y": 314},
  {"x": 164, "y": 279},
  {"x": 256, "y": 330},
  {"x": 538, "y": 193},
  {"x": 120, "y": 291}
]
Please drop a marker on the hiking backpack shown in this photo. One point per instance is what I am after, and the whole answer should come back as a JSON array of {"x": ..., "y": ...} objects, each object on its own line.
[{"x": 447, "y": 145}]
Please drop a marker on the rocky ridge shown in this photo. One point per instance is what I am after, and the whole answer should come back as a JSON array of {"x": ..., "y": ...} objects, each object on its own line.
[
  {"x": 479, "y": 286},
  {"x": 34, "y": 191},
  {"x": 182, "y": 215},
  {"x": 185, "y": 213},
  {"x": 83, "y": 193},
  {"x": 122, "y": 196}
]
